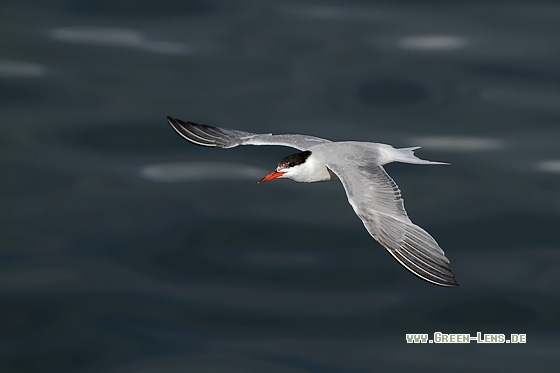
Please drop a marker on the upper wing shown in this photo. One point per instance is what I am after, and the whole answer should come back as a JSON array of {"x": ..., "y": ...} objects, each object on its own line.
[
  {"x": 377, "y": 200},
  {"x": 202, "y": 134}
]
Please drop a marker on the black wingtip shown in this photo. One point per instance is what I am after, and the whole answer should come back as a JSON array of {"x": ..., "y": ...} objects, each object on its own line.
[
  {"x": 172, "y": 121},
  {"x": 450, "y": 284},
  {"x": 178, "y": 122},
  {"x": 453, "y": 284},
  {"x": 176, "y": 125}
]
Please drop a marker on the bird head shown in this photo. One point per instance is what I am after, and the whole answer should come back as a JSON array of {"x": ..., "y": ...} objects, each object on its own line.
[{"x": 290, "y": 167}]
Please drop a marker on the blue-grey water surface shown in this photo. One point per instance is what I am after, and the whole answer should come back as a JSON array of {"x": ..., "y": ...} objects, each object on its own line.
[{"x": 126, "y": 249}]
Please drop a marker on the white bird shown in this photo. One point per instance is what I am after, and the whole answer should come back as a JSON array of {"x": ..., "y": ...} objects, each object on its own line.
[{"x": 373, "y": 195}]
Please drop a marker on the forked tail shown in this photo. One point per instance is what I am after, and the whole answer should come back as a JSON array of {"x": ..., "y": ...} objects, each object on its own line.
[{"x": 404, "y": 155}]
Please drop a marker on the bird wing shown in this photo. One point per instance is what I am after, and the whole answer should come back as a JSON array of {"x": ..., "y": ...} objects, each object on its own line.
[
  {"x": 377, "y": 200},
  {"x": 202, "y": 134}
]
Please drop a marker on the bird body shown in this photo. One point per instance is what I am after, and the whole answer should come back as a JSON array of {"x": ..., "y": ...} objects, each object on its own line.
[{"x": 371, "y": 192}]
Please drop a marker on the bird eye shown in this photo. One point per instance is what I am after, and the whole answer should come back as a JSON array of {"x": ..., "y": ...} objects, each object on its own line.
[{"x": 291, "y": 164}]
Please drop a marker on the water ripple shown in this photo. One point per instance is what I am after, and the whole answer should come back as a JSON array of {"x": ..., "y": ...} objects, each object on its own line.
[
  {"x": 432, "y": 42},
  {"x": 336, "y": 13},
  {"x": 20, "y": 69},
  {"x": 117, "y": 37},
  {"x": 458, "y": 143},
  {"x": 551, "y": 165},
  {"x": 198, "y": 171}
]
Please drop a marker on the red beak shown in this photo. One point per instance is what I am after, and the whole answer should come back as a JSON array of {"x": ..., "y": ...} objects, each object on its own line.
[{"x": 270, "y": 176}]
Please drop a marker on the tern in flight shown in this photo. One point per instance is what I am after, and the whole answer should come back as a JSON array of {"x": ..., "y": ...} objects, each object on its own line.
[{"x": 371, "y": 192}]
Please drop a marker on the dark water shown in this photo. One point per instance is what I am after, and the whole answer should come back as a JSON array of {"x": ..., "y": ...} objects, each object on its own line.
[{"x": 126, "y": 249}]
